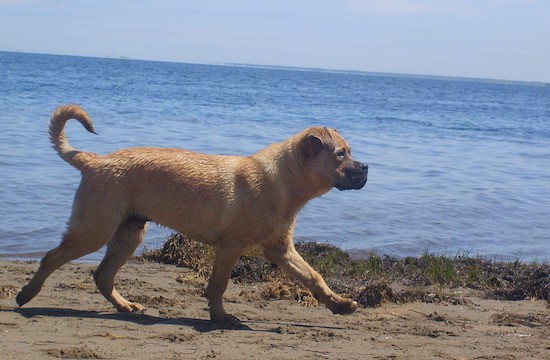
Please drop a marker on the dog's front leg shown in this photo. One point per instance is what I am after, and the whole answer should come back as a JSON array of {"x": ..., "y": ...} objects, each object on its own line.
[
  {"x": 224, "y": 261},
  {"x": 287, "y": 258}
]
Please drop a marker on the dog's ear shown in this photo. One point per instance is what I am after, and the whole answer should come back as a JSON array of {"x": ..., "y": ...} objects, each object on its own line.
[{"x": 315, "y": 141}]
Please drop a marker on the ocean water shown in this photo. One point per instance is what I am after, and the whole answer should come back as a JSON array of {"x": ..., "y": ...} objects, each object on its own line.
[{"x": 457, "y": 166}]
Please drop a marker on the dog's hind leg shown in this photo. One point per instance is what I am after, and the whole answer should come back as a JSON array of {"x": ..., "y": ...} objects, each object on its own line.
[
  {"x": 128, "y": 236},
  {"x": 287, "y": 258},
  {"x": 92, "y": 225},
  {"x": 76, "y": 242}
]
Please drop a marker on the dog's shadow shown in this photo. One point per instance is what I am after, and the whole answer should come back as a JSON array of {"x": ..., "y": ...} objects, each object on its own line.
[{"x": 200, "y": 325}]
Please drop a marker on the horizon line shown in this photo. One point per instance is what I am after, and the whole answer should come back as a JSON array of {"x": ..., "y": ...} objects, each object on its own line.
[{"x": 305, "y": 69}]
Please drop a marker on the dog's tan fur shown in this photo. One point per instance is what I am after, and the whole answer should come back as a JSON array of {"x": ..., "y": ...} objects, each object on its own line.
[{"x": 230, "y": 202}]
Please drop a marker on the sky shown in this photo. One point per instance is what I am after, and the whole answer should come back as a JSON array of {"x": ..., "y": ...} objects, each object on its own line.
[{"x": 495, "y": 39}]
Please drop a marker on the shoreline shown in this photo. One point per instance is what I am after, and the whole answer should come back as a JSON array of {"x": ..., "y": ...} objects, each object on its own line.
[{"x": 356, "y": 253}]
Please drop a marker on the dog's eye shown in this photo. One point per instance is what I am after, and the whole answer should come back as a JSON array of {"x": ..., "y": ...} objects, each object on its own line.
[{"x": 341, "y": 154}]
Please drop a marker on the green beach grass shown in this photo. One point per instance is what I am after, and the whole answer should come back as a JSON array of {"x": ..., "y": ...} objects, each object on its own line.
[{"x": 372, "y": 279}]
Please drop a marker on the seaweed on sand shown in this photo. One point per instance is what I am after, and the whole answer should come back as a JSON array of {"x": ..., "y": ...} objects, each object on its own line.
[{"x": 372, "y": 279}]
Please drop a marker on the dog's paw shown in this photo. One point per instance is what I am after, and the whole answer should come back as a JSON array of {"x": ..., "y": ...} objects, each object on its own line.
[
  {"x": 25, "y": 295},
  {"x": 131, "y": 307},
  {"x": 21, "y": 299},
  {"x": 343, "y": 307},
  {"x": 226, "y": 319}
]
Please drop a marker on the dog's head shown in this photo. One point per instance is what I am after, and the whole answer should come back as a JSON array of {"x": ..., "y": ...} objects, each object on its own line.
[{"x": 328, "y": 155}]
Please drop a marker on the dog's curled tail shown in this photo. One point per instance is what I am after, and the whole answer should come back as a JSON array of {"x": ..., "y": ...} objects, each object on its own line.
[{"x": 59, "y": 117}]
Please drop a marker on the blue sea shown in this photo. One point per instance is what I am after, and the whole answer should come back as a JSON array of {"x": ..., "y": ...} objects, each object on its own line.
[{"x": 457, "y": 166}]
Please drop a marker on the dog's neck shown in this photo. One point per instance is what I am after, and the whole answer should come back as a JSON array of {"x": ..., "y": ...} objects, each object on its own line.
[{"x": 283, "y": 166}]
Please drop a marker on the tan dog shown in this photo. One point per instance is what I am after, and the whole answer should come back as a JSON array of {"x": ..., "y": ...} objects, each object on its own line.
[{"x": 230, "y": 202}]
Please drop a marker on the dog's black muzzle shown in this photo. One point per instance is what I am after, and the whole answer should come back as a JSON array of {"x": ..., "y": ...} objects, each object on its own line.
[{"x": 356, "y": 177}]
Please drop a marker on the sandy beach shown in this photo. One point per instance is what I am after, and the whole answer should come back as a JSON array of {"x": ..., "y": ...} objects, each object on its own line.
[{"x": 69, "y": 319}]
